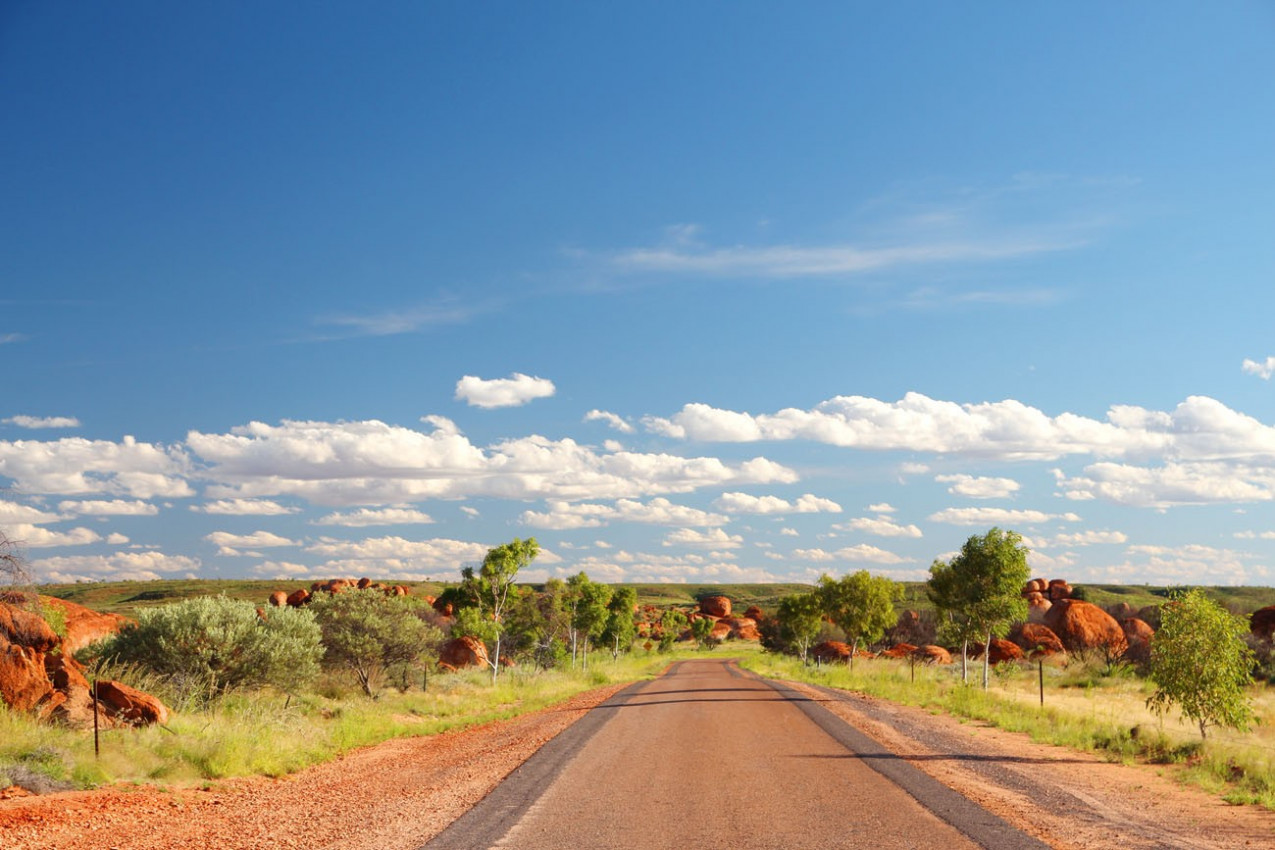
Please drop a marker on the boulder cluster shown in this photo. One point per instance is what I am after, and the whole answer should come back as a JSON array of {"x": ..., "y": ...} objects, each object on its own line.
[
  {"x": 301, "y": 597},
  {"x": 39, "y": 674}
]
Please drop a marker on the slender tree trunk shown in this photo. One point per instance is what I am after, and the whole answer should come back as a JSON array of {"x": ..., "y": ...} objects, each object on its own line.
[
  {"x": 854, "y": 647},
  {"x": 987, "y": 657},
  {"x": 965, "y": 661},
  {"x": 495, "y": 661}
]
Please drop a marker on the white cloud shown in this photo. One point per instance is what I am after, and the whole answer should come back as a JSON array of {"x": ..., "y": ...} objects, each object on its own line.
[
  {"x": 712, "y": 539},
  {"x": 859, "y": 554},
  {"x": 232, "y": 544},
  {"x": 121, "y": 566},
  {"x": 42, "y": 421},
  {"x": 912, "y": 468},
  {"x": 881, "y": 526},
  {"x": 1262, "y": 369},
  {"x": 1171, "y": 485},
  {"x": 613, "y": 420},
  {"x": 998, "y": 517},
  {"x": 75, "y": 466},
  {"x": 1254, "y": 535},
  {"x": 283, "y": 570},
  {"x": 742, "y": 503},
  {"x": 979, "y": 488},
  {"x": 789, "y": 532},
  {"x": 114, "y": 507},
  {"x": 468, "y": 511},
  {"x": 364, "y": 517},
  {"x": 1090, "y": 538},
  {"x": 396, "y": 553},
  {"x": 882, "y": 508},
  {"x": 35, "y": 537},
  {"x": 12, "y": 513},
  {"x": 116, "y": 539},
  {"x": 370, "y": 462},
  {"x": 244, "y": 507},
  {"x": 564, "y": 515},
  {"x": 517, "y": 389},
  {"x": 1192, "y": 564},
  {"x": 624, "y": 566},
  {"x": 7, "y": 338}
]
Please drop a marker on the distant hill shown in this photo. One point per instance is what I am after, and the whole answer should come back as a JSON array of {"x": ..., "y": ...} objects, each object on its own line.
[{"x": 129, "y": 597}]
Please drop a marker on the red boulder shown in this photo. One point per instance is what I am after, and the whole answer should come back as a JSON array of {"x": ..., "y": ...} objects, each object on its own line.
[
  {"x": 1262, "y": 622},
  {"x": 464, "y": 652},
  {"x": 715, "y": 606},
  {"x": 130, "y": 704},
  {"x": 1082, "y": 626}
]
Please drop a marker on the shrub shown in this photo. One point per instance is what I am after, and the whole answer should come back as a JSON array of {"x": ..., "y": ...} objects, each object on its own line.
[
  {"x": 222, "y": 643},
  {"x": 367, "y": 632}
]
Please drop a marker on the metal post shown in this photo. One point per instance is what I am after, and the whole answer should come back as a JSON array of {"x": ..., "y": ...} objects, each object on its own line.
[
  {"x": 97, "y": 749},
  {"x": 1040, "y": 669}
]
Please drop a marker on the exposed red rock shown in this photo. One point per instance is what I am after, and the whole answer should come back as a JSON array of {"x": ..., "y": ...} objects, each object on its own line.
[
  {"x": 24, "y": 684},
  {"x": 831, "y": 650},
  {"x": 464, "y": 652},
  {"x": 84, "y": 626},
  {"x": 1059, "y": 589},
  {"x": 26, "y": 629},
  {"x": 899, "y": 650},
  {"x": 721, "y": 630},
  {"x": 1139, "y": 635},
  {"x": 1082, "y": 626},
  {"x": 279, "y": 598},
  {"x": 931, "y": 654},
  {"x": 1262, "y": 622},
  {"x": 130, "y": 704},
  {"x": 444, "y": 608},
  {"x": 755, "y": 614},
  {"x": 1122, "y": 611},
  {"x": 715, "y": 606},
  {"x": 1036, "y": 640},
  {"x": 298, "y": 598},
  {"x": 398, "y": 590},
  {"x": 1001, "y": 651},
  {"x": 364, "y": 583}
]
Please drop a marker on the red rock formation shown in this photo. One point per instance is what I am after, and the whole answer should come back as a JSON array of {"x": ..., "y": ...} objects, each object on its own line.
[
  {"x": 755, "y": 614},
  {"x": 715, "y": 606},
  {"x": 1082, "y": 626},
  {"x": 27, "y": 629},
  {"x": 721, "y": 631},
  {"x": 279, "y": 598},
  {"x": 1121, "y": 611},
  {"x": 1262, "y": 622},
  {"x": 364, "y": 583},
  {"x": 464, "y": 652},
  {"x": 1001, "y": 651},
  {"x": 444, "y": 608},
  {"x": 899, "y": 650},
  {"x": 931, "y": 654},
  {"x": 831, "y": 650},
  {"x": 1138, "y": 634},
  {"x": 24, "y": 684},
  {"x": 1059, "y": 589},
  {"x": 397, "y": 590},
  {"x": 298, "y": 598},
  {"x": 1036, "y": 640},
  {"x": 130, "y": 704}
]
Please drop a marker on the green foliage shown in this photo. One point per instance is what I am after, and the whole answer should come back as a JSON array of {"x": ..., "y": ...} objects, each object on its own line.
[
  {"x": 223, "y": 644},
  {"x": 367, "y": 632},
  {"x": 672, "y": 622},
  {"x": 620, "y": 627},
  {"x": 861, "y": 605},
  {"x": 588, "y": 601},
  {"x": 702, "y": 631},
  {"x": 800, "y": 621},
  {"x": 980, "y": 590},
  {"x": 1200, "y": 663},
  {"x": 492, "y": 585}
]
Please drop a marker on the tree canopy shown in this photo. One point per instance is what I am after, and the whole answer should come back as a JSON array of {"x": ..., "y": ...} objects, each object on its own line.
[{"x": 860, "y": 604}]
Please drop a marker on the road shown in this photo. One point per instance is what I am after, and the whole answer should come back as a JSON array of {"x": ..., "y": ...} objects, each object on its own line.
[{"x": 710, "y": 756}]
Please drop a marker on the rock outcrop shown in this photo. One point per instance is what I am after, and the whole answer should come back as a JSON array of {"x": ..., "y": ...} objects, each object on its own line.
[
  {"x": 931, "y": 654},
  {"x": 715, "y": 606},
  {"x": 899, "y": 650},
  {"x": 1262, "y": 622},
  {"x": 83, "y": 626},
  {"x": 464, "y": 652},
  {"x": 830, "y": 650},
  {"x": 1036, "y": 640},
  {"x": 1084, "y": 626},
  {"x": 1138, "y": 635},
  {"x": 130, "y": 704}
]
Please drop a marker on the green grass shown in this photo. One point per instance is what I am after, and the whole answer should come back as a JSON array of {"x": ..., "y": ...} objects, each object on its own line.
[
  {"x": 1086, "y": 708},
  {"x": 267, "y": 733}
]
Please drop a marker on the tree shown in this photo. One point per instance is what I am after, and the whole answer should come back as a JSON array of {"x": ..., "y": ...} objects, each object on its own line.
[
  {"x": 490, "y": 587},
  {"x": 588, "y": 604},
  {"x": 982, "y": 588},
  {"x": 368, "y": 632},
  {"x": 13, "y": 566},
  {"x": 620, "y": 628},
  {"x": 1200, "y": 662},
  {"x": 672, "y": 622},
  {"x": 800, "y": 620},
  {"x": 218, "y": 643},
  {"x": 702, "y": 631},
  {"x": 861, "y": 605}
]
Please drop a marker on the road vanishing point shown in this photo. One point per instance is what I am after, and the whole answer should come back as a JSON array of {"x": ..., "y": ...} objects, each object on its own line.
[{"x": 710, "y": 756}]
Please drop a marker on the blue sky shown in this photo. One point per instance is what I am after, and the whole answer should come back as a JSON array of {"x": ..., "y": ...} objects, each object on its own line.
[{"x": 690, "y": 292}]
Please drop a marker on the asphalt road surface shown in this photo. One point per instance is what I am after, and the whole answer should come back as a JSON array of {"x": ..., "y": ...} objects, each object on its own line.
[{"x": 708, "y": 756}]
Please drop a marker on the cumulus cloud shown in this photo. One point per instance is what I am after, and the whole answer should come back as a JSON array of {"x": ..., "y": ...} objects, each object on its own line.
[
  {"x": 742, "y": 503},
  {"x": 1190, "y": 564},
  {"x": 623, "y": 566},
  {"x": 859, "y": 554},
  {"x": 1090, "y": 538},
  {"x": 121, "y": 566},
  {"x": 881, "y": 526},
  {"x": 113, "y": 507},
  {"x": 469, "y": 512},
  {"x": 387, "y": 556},
  {"x": 12, "y": 513},
  {"x": 232, "y": 544},
  {"x": 370, "y": 462},
  {"x": 244, "y": 507},
  {"x": 998, "y": 516},
  {"x": 74, "y": 466},
  {"x": 516, "y": 390},
  {"x": 364, "y": 517},
  {"x": 1262, "y": 369},
  {"x": 712, "y": 539},
  {"x": 977, "y": 487},
  {"x": 1170, "y": 485},
  {"x": 789, "y": 532},
  {"x": 37, "y": 537},
  {"x": 617, "y": 422},
  {"x": 42, "y": 421},
  {"x": 1255, "y": 535},
  {"x": 564, "y": 515},
  {"x": 882, "y": 508}
]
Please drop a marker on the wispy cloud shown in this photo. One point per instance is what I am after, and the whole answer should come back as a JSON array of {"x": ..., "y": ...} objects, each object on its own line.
[
  {"x": 1262, "y": 369},
  {"x": 42, "y": 421},
  {"x": 407, "y": 320},
  {"x": 5, "y": 339}
]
